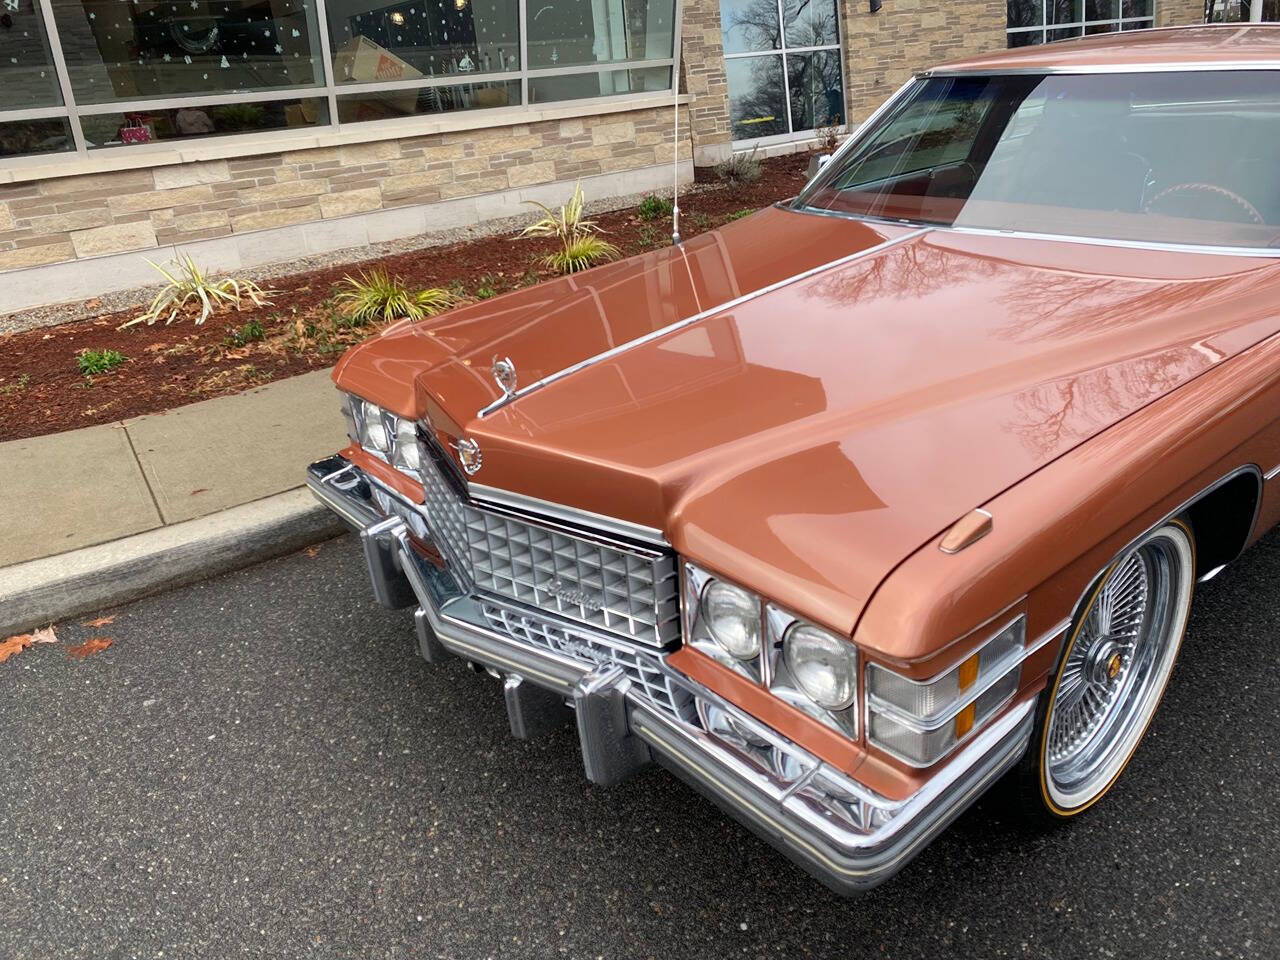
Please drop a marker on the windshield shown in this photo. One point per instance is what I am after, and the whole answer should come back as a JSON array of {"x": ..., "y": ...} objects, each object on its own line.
[{"x": 1163, "y": 157}]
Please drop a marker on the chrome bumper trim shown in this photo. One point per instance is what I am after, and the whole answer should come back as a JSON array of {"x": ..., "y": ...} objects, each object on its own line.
[{"x": 621, "y": 730}]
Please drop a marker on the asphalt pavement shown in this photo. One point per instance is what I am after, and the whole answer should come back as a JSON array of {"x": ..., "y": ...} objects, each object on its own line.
[{"x": 261, "y": 766}]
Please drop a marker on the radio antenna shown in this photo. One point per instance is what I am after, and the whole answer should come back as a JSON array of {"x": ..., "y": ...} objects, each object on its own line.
[{"x": 675, "y": 161}]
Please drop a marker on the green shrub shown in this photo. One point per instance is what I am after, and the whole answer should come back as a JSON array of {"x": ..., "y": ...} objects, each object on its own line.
[
  {"x": 654, "y": 207},
  {"x": 251, "y": 332},
  {"x": 580, "y": 243},
  {"x": 377, "y": 297},
  {"x": 740, "y": 169},
  {"x": 188, "y": 283},
  {"x": 93, "y": 362}
]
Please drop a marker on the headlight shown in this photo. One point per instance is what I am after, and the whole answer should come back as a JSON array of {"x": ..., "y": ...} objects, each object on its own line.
[
  {"x": 822, "y": 665},
  {"x": 383, "y": 434},
  {"x": 373, "y": 432},
  {"x": 733, "y": 617},
  {"x": 920, "y": 722},
  {"x": 407, "y": 456}
]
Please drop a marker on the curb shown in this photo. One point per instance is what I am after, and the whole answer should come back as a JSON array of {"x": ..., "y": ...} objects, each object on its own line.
[{"x": 82, "y": 581}]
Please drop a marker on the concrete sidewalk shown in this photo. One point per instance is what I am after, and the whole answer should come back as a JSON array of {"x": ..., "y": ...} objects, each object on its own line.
[{"x": 105, "y": 501}]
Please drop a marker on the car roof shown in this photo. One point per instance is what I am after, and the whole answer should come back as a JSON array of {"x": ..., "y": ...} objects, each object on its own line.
[{"x": 1164, "y": 48}]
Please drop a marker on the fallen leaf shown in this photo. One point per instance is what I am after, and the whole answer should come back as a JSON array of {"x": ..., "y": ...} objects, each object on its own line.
[
  {"x": 199, "y": 490},
  {"x": 100, "y": 621},
  {"x": 45, "y": 635},
  {"x": 89, "y": 647},
  {"x": 14, "y": 645},
  {"x": 312, "y": 551}
]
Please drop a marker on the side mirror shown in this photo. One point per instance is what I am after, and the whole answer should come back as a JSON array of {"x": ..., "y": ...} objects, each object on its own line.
[{"x": 817, "y": 162}]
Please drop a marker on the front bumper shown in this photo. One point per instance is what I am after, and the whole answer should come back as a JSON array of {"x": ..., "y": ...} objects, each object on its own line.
[{"x": 836, "y": 828}]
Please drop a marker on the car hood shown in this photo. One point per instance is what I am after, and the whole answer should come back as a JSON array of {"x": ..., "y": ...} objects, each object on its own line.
[{"x": 805, "y": 440}]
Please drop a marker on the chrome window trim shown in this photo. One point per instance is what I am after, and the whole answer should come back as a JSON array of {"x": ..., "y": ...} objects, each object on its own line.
[
  {"x": 1191, "y": 66},
  {"x": 1272, "y": 473},
  {"x": 687, "y": 321}
]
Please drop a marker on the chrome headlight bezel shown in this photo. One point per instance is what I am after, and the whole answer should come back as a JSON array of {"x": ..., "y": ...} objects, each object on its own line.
[
  {"x": 784, "y": 685},
  {"x": 698, "y": 584},
  {"x": 399, "y": 445}
]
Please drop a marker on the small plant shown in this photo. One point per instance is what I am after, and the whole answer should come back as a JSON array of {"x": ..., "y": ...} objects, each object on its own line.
[
  {"x": 93, "y": 362},
  {"x": 700, "y": 220},
  {"x": 581, "y": 253},
  {"x": 188, "y": 284},
  {"x": 738, "y": 215},
  {"x": 828, "y": 135},
  {"x": 654, "y": 207},
  {"x": 580, "y": 243},
  {"x": 376, "y": 296},
  {"x": 17, "y": 386},
  {"x": 485, "y": 291},
  {"x": 740, "y": 169},
  {"x": 251, "y": 332}
]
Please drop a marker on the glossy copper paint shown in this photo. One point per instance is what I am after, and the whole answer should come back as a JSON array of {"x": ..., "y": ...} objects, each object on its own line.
[{"x": 816, "y": 443}]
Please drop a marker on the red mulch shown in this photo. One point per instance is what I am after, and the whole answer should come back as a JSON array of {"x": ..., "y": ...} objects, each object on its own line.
[{"x": 42, "y": 391}]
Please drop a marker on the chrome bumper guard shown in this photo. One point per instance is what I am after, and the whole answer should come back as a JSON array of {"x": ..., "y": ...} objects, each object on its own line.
[{"x": 836, "y": 828}]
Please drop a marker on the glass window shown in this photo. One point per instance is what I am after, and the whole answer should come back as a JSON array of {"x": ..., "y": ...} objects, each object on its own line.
[
  {"x": 27, "y": 76},
  {"x": 757, "y": 100},
  {"x": 1044, "y": 21},
  {"x": 417, "y": 39},
  {"x": 359, "y": 107},
  {"x": 22, "y": 137},
  {"x": 148, "y": 49},
  {"x": 1125, "y": 156},
  {"x": 193, "y": 122},
  {"x": 607, "y": 83},
  {"x": 778, "y": 82},
  {"x": 570, "y": 33}
]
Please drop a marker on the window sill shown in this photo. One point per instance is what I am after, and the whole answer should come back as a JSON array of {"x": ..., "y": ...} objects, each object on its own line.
[{"x": 26, "y": 169}]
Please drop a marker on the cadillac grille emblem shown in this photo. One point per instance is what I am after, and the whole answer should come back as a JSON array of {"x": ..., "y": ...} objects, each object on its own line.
[
  {"x": 504, "y": 372},
  {"x": 469, "y": 455},
  {"x": 577, "y": 598}
]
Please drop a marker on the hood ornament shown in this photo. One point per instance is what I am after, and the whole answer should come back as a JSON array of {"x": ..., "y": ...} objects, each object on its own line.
[
  {"x": 504, "y": 374},
  {"x": 469, "y": 455}
]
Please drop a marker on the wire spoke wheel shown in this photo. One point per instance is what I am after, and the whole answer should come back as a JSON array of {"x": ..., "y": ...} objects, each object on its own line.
[{"x": 1116, "y": 668}]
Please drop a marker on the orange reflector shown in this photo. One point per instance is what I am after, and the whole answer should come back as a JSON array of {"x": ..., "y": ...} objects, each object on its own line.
[
  {"x": 969, "y": 672},
  {"x": 964, "y": 720}
]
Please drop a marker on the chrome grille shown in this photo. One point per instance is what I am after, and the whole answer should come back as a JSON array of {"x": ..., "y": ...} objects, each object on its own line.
[
  {"x": 632, "y": 593},
  {"x": 640, "y": 665}
]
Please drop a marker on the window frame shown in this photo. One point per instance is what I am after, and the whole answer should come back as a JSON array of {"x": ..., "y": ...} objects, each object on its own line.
[
  {"x": 1119, "y": 24},
  {"x": 330, "y": 91},
  {"x": 791, "y": 135}
]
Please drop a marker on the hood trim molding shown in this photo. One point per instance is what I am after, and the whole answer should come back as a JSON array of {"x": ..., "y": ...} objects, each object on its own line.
[{"x": 688, "y": 321}]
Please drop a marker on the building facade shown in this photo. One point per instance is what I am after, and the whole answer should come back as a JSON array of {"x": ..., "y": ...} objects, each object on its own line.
[{"x": 253, "y": 131}]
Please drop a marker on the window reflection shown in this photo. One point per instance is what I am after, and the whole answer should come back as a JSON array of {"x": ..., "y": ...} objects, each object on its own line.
[
  {"x": 568, "y": 33},
  {"x": 357, "y": 108},
  {"x": 375, "y": 41},
  {"x": 192, "y": 122},
  {"x": 817, "y": 94},
  {"x": 810, "y": 23},
  {"x": 607, "y": 83},
  {"x": 26, "y": 66},
  {"x": 1032, "y": 22},
  {"x": 20, "y": 137},
  {"x": 124, "y": 50},
  {"x": 757, "y": 107}
]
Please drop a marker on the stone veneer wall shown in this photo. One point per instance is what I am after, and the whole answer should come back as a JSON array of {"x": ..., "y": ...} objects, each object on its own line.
[
  {"x": 1179, "y": 13},
  {"x": 67, "y": 218},
  {"x": 883, "y": 49},
  {"x": 702, "y": 66}
]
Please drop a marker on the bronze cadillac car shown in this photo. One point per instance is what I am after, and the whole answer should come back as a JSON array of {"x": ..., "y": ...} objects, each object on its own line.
[{"x": 848, "y": 509}]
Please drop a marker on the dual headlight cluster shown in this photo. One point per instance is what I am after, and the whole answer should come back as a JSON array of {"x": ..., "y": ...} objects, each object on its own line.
[
  {"x": 816, "y": 671},
  {"x": 383, "y": 434}
]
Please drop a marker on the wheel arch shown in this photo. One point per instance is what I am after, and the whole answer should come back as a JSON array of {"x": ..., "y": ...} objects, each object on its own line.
[{"x": 1222, "y": 518}]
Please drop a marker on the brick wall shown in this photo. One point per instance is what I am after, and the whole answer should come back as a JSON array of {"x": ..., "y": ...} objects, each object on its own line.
[
  {"x": 702, "y": 66},
  {"x": 1178, "y": 13},
  {"x": 66, "y": 218},
  {"x": 883, "y": 49}
]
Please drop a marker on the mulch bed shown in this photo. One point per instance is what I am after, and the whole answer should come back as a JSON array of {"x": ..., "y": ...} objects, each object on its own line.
[{"x": 42, "y": 391}]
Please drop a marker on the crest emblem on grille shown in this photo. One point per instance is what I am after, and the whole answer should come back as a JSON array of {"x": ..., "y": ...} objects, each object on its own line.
[
  {"x": 504, "y": 374},
  {"x": 469, "y": 455}
]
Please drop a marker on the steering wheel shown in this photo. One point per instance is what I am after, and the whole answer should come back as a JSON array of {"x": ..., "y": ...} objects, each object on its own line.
[{"x": 1208, "y": 202}]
